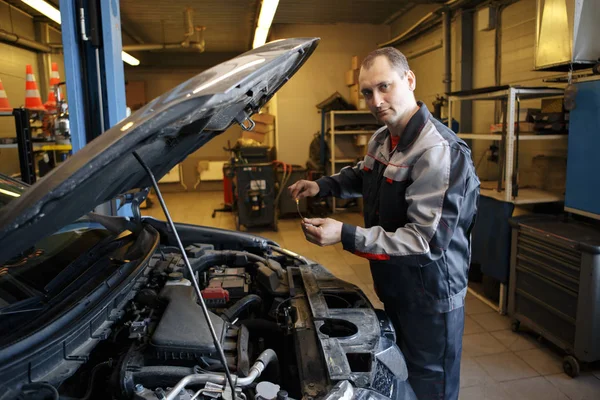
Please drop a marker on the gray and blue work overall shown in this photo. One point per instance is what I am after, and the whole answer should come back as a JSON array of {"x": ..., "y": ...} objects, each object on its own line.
[{"x": 420, "y": 204}]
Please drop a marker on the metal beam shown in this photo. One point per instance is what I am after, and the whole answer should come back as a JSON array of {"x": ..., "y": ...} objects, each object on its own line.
[
  {"x": 466, "y": 68},
  {"x": 70, "y": 39},
  {"x": 127, "y": 27},
  {"x": 181, "y": 60},
  {"x": 447, "y": 32},
  {"x": 42, "y": 34},
  {"x": 113, "y": 64}
]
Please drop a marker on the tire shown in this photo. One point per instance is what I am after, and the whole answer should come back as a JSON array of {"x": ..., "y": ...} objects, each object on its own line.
[{"x": 571, "y": 366}]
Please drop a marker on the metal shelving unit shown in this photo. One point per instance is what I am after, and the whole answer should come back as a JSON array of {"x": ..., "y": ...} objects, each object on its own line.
[
  {"x": 511, "y": 95},
  {"x": 26, "y": 147},
  {"x": 335, "y": 134}
]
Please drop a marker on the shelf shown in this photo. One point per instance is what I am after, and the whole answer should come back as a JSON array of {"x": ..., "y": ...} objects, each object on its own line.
[
  {"x": 357, "y": 132},
  {"x": 523, "y": 136},
  {"x": 344, "y": 160},
  {"x": 350, "y": 112},
  {"x": 52, "y": 147},
  {"x": 526, "y": 196},
  {"x": 503, "y": 92},
  {"x": 41, "y": 147},
  {"x": 6, "y": 114}
]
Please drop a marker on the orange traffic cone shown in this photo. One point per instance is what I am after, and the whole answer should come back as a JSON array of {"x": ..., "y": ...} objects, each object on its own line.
[
  {"x": 54, "y": 81},
  {"x": 50, "y": 105},
  {"x": 54, "y": 76},
  {"x": 33, "y": 100},
  {"x": 4, "y": 105}
]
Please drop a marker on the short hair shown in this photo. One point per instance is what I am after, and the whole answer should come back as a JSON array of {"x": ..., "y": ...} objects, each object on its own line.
[{"x": 395, "y": 57}]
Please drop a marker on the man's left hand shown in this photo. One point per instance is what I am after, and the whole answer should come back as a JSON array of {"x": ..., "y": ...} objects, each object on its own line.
[{"x": 322, "y": 231}]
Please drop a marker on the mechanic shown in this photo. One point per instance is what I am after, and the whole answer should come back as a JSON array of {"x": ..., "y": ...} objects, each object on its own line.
[{"x": 420, "y": 196}]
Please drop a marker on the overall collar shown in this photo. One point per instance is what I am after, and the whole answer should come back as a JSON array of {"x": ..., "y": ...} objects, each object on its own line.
[
  {"x": 414, "y": 127},
  {"x": 411, "y": 132}
]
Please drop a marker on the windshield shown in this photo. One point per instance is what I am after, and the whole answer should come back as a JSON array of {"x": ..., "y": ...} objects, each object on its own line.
[
  {"x": 10, "y": 189},
  {"x": 30, "y": 279}
]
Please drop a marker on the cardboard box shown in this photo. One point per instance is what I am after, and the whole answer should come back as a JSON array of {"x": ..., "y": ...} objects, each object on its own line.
[
  {"x": 263, "y": 128},
  {"x": 259, "y": 137},
  {"x": 352, "y": 77},
  {"x": 264, "y": 118},
  {"x": 523, "y": 127},
  {"x": 356, "y": 61},
  {"x": 552, "y": 105}
]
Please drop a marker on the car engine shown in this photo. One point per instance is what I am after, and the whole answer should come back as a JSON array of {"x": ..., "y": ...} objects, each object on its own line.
[{"x": 161, "y": 346}]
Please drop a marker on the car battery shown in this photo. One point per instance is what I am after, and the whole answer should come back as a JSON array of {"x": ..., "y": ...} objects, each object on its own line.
[
  {"x": 225, "y": 285},
  {"x": 254, "y": 191}
]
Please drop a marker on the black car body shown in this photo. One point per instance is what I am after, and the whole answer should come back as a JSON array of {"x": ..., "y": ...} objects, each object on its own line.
[{"x": 95, "y": 306}]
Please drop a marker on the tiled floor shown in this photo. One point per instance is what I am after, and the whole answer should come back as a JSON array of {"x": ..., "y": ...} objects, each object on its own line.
[{"x": 497, "y": 363}]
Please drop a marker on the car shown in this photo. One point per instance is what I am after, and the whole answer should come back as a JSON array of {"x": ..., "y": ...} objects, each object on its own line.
[{"x": 101, "y": 305}]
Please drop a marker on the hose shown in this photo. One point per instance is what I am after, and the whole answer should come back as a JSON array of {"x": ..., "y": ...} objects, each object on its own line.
[
  {"x": 95, "y": 370},
  {"x": 289, "y": 253},
  {"x": 235, "y": 310},
  {"x": 265, "y": 358}
]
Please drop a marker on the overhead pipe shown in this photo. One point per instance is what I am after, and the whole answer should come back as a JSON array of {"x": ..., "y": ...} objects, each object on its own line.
[
  {"x": 9, "y": 37},
  {"x": 150, "y": 46},
  {"x": 190, "y": 31},
  {"x": 424, "y": 50},
  {"x": 447, "y": 27},
  {"x": 428, "y": 21}
]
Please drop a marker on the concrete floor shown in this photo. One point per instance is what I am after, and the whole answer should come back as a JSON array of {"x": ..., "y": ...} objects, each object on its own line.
[{"x": 497, "y": 363}]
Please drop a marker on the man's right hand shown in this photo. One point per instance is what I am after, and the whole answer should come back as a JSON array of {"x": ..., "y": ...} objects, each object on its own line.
[{"x": 303, "y": 188}]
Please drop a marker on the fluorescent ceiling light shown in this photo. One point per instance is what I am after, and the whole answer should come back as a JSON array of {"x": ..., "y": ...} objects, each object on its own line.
[
  {"x": 45, "y": 8},
  {"x": 51, "y": 12},
  {"x": 129, "y": 59},
  {"x": 265, "y": 18}
]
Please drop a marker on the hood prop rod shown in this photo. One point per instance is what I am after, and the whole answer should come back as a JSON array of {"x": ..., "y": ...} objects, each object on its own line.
[{"x": 191, "y": 272}]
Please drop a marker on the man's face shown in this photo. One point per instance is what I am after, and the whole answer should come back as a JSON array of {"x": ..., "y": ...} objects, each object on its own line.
[{"x": 388, "y": 94}]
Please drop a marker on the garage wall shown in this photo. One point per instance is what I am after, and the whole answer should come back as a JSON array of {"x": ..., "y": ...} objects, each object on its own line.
[
  {"x": 321, "y": 76},
  {"x": 429, "y": 67},
  {"x": 12, "y": 73},
  {"x": 517, "y": 64}
]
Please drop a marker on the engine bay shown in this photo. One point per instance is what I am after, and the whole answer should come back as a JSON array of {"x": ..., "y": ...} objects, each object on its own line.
[{"x": 287, "y": 330}]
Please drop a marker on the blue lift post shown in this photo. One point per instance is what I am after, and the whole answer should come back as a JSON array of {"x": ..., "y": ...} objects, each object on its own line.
[
  {"x": 110, "y": 92},
  {"x": 114, "y": 73},
  {"x": 70, "y": 38}
]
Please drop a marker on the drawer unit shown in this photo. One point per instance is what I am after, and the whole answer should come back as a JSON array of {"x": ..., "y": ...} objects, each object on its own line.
[{"x": 554, "y": 284}]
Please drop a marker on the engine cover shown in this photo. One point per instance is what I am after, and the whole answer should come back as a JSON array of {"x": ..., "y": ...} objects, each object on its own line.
[{"x": 183, "y": 328}]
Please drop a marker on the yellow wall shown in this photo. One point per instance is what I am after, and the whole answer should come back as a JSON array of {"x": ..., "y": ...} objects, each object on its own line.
[{"x": 321, "y": 76}]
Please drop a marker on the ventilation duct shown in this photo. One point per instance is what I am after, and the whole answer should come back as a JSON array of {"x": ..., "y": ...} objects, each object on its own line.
[{"x": 567, "y": 33}]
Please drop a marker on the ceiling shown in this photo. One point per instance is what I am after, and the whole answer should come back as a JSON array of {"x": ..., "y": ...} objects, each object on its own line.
[{"x": 230, "y": 24}]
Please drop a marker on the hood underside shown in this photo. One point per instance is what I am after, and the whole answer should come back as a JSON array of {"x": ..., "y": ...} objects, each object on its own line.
[{"x": 163, "y": 133}]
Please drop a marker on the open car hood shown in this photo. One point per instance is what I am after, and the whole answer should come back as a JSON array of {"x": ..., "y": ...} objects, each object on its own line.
[{"x": 163, "y": 133}]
